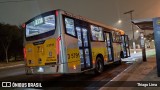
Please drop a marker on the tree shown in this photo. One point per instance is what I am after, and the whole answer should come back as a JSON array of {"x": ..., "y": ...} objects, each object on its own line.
[
  {"x": 8, "y": 33},
  {"x": 16, "y": 48},
  {"x": 150, "y": 36}
]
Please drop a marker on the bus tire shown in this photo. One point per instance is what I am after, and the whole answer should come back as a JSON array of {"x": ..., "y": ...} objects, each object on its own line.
[
  {"x": 122, "y": 54},
  {"x": 99, "y": 66},
  {"x": 119, "y": 62}
]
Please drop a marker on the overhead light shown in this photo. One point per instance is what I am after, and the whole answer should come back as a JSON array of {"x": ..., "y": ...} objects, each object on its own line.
[
  {"x": 119, "y": 21},
  {"x": 137, "y": 31}
]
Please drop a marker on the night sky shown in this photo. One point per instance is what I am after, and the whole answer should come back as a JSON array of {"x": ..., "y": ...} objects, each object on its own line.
[{"x": 108, "y": 12}]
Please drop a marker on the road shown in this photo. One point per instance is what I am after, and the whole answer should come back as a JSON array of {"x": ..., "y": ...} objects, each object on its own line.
[
  {"x": 18, "y": 74},
  {"x": 111, "y": 71}
]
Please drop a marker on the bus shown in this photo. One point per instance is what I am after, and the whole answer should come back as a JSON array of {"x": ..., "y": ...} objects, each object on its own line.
[
  {"x": 125, "y": 46},
  {"x": 125, "y": 53},
  {"x": 58, "y": 42}
]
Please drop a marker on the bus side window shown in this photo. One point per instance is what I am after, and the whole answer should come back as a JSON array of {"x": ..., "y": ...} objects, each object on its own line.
[
  {"x": 114, "y": 36},
  {"x": 97, "y": 33},
  {"x": 117, "y": 37},
  {"x": 70, "y": 27},
  {"x": 120, "y": 39}
]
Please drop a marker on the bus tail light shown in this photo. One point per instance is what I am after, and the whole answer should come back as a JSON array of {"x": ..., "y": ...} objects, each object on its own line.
[
  {"x": 23, "y": 25},
  {"x": 58, "y": 41},
  {"x": 24, "y": 52},
  {"x": 58, "y": 45},
  {"x": 56, "y": 12}
]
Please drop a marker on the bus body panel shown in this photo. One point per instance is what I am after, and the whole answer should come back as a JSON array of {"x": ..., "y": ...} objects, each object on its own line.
[
  {"x": 72, "y": 53},
  {"x": 116, "y": 50},
  {"x": 41, "y": 54},
  {"x": 99, "y": 48},
  {"x": 70, "y": 60}
]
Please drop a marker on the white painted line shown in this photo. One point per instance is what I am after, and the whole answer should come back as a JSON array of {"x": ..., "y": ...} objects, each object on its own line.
[
  {"x": 121, "y": 73},
  {"x": 102, "y": 88},
  {"x": 11, "y": 66}
]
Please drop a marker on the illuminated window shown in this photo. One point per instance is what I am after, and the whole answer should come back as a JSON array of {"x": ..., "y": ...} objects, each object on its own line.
[
  {"x": 40, "y": 25},
  {"x": 116, "y": 36},
  {"x": 69, "y": 23},
  {"x": 97, "y": 33}
]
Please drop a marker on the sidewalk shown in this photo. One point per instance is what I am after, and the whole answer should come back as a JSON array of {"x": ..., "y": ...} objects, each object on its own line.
[
  {"x": 139, "y": 71},
  {"x": 138, "y": 55}
]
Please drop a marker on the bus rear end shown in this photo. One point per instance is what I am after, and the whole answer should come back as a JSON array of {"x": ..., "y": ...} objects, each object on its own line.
[{"x": 41, "y": 44}]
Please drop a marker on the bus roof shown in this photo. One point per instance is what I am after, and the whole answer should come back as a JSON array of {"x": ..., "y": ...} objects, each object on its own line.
[
  {"x": 88, "y": 20},
  {"x": 81, "y": 18},
  {"x": 121, "y": 32}
]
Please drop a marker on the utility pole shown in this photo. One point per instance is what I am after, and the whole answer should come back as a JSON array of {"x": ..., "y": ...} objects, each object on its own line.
[{"x": 131, "y": 18}]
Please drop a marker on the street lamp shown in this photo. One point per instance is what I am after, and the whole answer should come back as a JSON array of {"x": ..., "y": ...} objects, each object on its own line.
[
  {"x": 131, "y": 18},
  {"x": 137, "y": 31},
  {"x": 119, "y": 21}
]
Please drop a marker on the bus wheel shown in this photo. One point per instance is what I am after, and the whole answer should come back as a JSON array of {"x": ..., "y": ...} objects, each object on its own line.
[
  {"x": 122, "y": 54},
  {"x": 99, "y": 66},
  {"x": 119, "y": 62}
]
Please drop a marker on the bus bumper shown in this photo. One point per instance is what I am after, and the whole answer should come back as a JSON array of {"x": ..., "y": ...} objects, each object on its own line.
[
  {"x": 41, "y": 70},
  {"x": 54, "y": 69}
]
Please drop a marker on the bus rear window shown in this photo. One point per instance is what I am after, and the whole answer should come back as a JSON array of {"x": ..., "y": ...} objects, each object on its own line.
[{"x": 40, "y": 25}]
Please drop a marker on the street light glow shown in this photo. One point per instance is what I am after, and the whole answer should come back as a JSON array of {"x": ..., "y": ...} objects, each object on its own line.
[
  {"x": 137, "y": 31},
  {"x": 119, "y": 21}
]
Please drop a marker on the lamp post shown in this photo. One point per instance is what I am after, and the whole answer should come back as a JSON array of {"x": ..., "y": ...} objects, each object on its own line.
[
  {"x": 142, "y": 40},
  {"x": 131, "y": 18}
]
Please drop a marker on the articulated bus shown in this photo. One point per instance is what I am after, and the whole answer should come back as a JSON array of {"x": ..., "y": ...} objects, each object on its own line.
[{"x": 61, "y": 42}]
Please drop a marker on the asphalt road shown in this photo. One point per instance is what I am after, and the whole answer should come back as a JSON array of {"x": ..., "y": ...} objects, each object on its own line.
[{"x": 93, "y": 82}]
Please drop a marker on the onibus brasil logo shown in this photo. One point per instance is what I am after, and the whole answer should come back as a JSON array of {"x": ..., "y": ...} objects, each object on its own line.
[{"x": 15, "y": 84}]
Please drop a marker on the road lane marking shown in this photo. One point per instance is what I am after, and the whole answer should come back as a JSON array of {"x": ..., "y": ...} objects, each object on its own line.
[
  {"x": 11, "y": 66},
  {"x": 103, "y": 87},
  {"x": 120, "y": 73}
]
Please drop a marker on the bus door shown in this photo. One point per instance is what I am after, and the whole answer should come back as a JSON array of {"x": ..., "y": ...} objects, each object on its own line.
[
  {"x": 108, "y": 41},
  {"x": 125, "y": 46},
  {"x": 84, "y": 44}
]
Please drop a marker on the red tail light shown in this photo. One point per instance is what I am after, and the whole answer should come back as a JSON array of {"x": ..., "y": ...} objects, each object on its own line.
[
  {"x": 58, "y": 45},
  {"x": 24, "y": 52},
  {"x": 56, "y": 13},
  {"x": 24, "y": 25}
]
